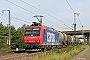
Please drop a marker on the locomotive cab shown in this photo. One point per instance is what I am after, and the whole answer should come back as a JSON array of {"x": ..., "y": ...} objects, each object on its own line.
[{"x": 33, "y": 37}]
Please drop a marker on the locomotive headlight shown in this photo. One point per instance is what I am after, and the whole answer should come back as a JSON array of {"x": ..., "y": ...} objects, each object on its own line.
[
  {"x": 41, "y": 44},
  {"x": 26, "y": 40}
]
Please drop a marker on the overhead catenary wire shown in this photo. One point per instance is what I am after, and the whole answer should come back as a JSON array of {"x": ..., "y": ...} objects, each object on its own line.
[
  {"x": 21, "y": 19},
  {"x": 80, "y": 21},
  {"x": 54, "y": 23},
  {"x": 70, "y": 6},
  {"x": 17, "y": 19},
  {"x": 74, "y": 12},
  {"x": 36, "y": 3},
  {"x": 50, "y": 11},
  {"x": 20, "y": 7},
  {"x": 43, "y": 7},
  {"x": 32, "y": 12},
  {"x": 45, "y": 13},
  {"x": 14, "y": 18}
]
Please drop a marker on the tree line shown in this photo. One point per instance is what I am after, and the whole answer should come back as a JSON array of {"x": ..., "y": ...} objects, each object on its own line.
[{"x": 16, "y": 36}]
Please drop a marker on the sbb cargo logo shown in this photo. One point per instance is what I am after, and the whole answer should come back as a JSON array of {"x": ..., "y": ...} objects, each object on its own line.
[{"x": 50, "y": 37}]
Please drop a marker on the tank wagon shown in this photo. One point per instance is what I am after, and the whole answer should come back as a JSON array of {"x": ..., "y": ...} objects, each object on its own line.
[
  {"x": 44, "y": 38},
  {"x": 81, "y": 41}
]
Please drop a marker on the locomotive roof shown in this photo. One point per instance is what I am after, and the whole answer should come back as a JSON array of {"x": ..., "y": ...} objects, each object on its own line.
[
  {"x": 49, "y": 28},
  {"x": 45, "y": 27}
]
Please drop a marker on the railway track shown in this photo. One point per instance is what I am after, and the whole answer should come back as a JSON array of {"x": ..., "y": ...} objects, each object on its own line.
[{"x": 22, "y": 56}]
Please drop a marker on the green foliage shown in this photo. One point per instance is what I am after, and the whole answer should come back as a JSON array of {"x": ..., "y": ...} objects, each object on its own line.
[
  {"x": 1, "y": 29},
  {"x": 16, "y": 36},
  {"x": 19, "y": 41},
  {"x": 62, "y": 54},
  {"x": 3, "y": 42},
  {"x": 3, "y": 36}
]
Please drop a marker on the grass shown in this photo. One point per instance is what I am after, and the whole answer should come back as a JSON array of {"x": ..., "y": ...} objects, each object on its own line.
[
  {"x": 62, "y": 54},
  {"x": 4, "y": 48}
]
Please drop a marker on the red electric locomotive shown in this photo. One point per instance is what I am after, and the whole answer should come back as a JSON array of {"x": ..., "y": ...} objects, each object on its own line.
[
  {"x": 40, "y": 37},
  {"x": 33, "y": 37},
  {"x": 44, "y": 38}
]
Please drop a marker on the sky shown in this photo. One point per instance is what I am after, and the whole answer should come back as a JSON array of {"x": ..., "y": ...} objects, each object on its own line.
[{"x": 57, "y": 13}]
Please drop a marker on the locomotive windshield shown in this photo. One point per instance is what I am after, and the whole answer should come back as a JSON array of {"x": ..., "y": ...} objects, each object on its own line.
[{"x": 32, "y": 32}]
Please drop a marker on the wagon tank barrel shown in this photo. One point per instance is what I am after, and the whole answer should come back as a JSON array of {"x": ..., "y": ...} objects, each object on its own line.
[{"x": 85, "y": 33}]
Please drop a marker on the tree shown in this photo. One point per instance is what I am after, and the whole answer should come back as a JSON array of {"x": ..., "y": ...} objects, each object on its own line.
[
  {"x": 1, "y": 29},
  {"x": 19, "y": 38},
  {"x": 3, "y": 36},
  {"x": 13, "y": 37},
  {"x": 16, "y": 36},
  {"x": 13, "y": 33}
]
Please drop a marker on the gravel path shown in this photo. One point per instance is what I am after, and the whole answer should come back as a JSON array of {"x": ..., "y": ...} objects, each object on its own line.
[
  {"x": 4, "y": 55},
  {"x": 5, "y": 52},
  {"x": 84, "y": 55}
]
